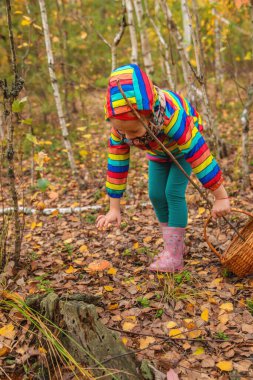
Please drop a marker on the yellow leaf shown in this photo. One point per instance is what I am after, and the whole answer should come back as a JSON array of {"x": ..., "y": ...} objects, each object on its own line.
[
  {"x": 70, "y": 270},
  {"x": 194, "y": 334},
  {"x": 124, "y": 340},
  {"x": 8, "y": 331},
  {"x": 131, "y": 317},
  {"x": 87, "y": 136},
  {"x": 83, "y": 248},
  {"x": 147, "y": 239},
  {"x": 42, "y": 350},
  {"x": 136, "y": 245},
  {"x": 113, "y": 306},
  {"x": 4, "y": 351},
  {"x": 225, "y": 365},
  {"x": 171, "y": 324},
  {"x": 201, "y": 210},
  {"x": 128, "y": 326},
  {"x": 26, "y": 21},
  {"x": 176, "y": 333},
  {"x": 83, "y": 153},
  {"x": 54, "y": 213},
  {"x": 33, "y": 225},
  {"x": 199, "y": 351},
  {"x": 112, "y": 271},
  {"x": 108, "y": 288},
  {"x": 228, "y": 306},
  {"x": 145, "y": 342},
  {"x": 205, "y": 315}
]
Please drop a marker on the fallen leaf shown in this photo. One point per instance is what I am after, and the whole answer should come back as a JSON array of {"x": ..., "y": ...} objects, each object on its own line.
[
  {"x": 205, "y": 315},
  {"x": 8, "y": 331},
  {"x": 171, "y": 324},
  {"x": 194, "y": 334},
  {"x": 83, "y": 248},
  {"x": 124, "y": 340},
  {"x": 228, "y": 306},
  {"x": 225, "y": 365},
  {"x": 112, "y": 271},
  {"x": 4, "y": 351},
  {"x": 199, "y": 351},
  {"x": 108, "y": 288},
  {"x": 70, "y": 270},
  {"x": 145, "y": 342},
  {"x": 176, "y": 333},
  {"x": 223, "y": 318},
  {"x": 128, "y": 326}
]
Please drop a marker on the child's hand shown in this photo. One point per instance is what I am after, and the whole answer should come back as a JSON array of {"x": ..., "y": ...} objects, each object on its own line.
[
  {"x": 111, "y": 216},
  {"x": 220, "y": 208}
]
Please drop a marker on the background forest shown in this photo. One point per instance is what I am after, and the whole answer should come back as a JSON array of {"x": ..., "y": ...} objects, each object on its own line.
[{"x": 53, "y": 78}]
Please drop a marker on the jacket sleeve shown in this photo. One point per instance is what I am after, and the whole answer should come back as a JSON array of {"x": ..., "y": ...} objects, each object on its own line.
[
  {"x": 182, "y": 129},
  {"x": 118, "y": 165}
]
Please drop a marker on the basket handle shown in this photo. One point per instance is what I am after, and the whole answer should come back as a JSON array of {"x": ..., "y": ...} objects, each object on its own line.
[{"x": 206, "y": 224}]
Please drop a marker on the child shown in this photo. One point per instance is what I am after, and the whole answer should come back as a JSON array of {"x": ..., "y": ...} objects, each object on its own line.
[{"x": 178, "y": 126}]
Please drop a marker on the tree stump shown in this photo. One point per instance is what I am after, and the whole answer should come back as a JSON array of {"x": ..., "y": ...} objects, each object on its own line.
[{"x": 89, "y": 341}]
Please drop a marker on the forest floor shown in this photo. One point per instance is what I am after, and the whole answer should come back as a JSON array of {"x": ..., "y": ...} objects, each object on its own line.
[{"x": 206, "y": 310}]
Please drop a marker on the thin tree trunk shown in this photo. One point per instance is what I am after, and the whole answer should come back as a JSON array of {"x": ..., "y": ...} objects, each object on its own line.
[
  {"x": 164, "y": 49},
  {"x": 132, "y": 30},
  {"x": 186, "y": 27},
  {"x": 63, "y": 47},
  {"x": 145, "y": 46},
  {"x": 218, "y": 46},
  {"x": 56, "y": 91},
  {"x": 193, "y": 92},
  {"x": 116, "y": 41},
  {"x": 9, "y": 97},
  {"x": 1, "y": 126}
]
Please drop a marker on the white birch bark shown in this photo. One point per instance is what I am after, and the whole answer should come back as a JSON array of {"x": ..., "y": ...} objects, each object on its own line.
[
  {"x": 116, "y": 41},
  {"x": 186, "y": 27},
  {"x": 145, "y": 46},
  {"x": 164, "y": 50},
  {"x": 199, "y": 56},
  {"x": 193, "y": 92},
  {"x": 218, "y": 46},
  {"x": 56, "y": 91},
  {"x": 132, "y": 31}
]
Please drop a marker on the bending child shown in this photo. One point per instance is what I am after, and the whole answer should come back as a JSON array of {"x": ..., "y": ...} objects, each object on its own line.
[{"x": 178, "y": 126}]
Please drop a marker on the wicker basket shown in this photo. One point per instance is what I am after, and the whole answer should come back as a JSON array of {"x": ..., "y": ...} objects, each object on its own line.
[{"x": 238, "y": 257}]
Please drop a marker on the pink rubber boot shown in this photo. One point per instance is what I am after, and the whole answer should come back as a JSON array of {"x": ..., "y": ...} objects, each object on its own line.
[
  {"x": 171, "y": 259},
  {"x": 162, "y": 225}
]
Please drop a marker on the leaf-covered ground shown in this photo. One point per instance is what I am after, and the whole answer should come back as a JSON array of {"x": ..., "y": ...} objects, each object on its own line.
[{"x": 199, "y": 322}]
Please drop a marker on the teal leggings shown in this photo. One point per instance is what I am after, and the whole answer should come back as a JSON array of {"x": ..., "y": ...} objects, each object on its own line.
[{"x": 167, "y": 186}]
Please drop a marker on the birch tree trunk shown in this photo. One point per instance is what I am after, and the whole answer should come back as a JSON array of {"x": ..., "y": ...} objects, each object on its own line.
[
  {"x": 145, "y": 47},
  {"x": 164, "y": 49},
  {"x": 56, "y": 91},
  {"x": 9, "y": 97},
  {"x": 193, "y": 92},
  {"x": 132, "y": 30},
  {"x": 1, "y": 126},
  {"x": 116, "y": 41},
  {"x": 186, "y": 26}
]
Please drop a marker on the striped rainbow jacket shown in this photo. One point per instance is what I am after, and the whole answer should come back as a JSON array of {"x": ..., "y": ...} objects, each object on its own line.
[{"x": 181, "y": 134}]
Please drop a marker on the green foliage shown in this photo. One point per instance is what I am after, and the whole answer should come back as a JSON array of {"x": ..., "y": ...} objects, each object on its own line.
[
  {"x": 250, "y": 305},
  {"x": 184, "y": 276},
  {"x": 43, "y": 184},
  {"x": 143, "y": 302},
  {"x": 221, "y": 335}
]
